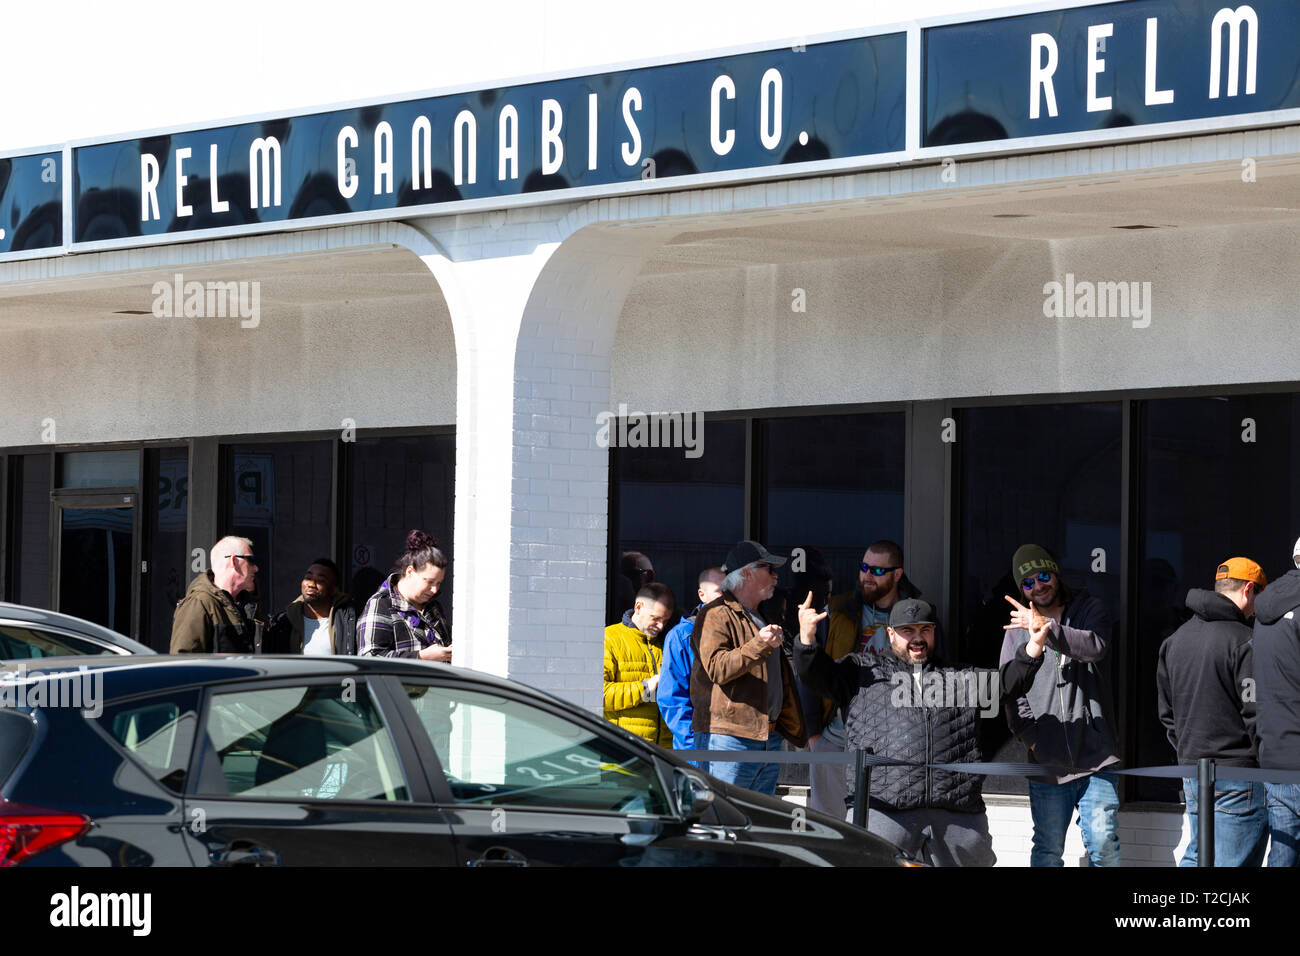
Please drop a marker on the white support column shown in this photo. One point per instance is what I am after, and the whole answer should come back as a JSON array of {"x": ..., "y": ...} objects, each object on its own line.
[{"x": 486, "y": 300}]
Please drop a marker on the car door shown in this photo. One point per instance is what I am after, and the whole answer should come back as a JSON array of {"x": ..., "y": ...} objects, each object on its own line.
[
  {"x": 310, "y": 773},
  {"x": 526, "y": 784}
]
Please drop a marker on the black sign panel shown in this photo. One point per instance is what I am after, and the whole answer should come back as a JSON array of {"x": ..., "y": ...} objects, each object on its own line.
[
  {"x": 31, "y": 202},
  {"x": 833, "y": 100},
  {"x": 1108, "y": 66}
]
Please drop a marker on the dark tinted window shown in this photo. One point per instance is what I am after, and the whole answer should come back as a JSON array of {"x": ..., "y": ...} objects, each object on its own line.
[
  {"x": 502, "y": 752},
  {"x": 166, "y": 513},
  {"x": 321, "y": 742},
  {"x": 683, "y": 513},
  {"x": 1219, "y": 481},
  {"x": 834, "y": 482},
  {"x": 1042, "y": 474},
  {"x": 280, "y": 498},
  {"x": 398, "y": 484},
  {"x": 158, "y": 733}
]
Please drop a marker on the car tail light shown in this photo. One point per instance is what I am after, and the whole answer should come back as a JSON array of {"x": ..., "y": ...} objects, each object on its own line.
[{"x": 26, "y": 831}]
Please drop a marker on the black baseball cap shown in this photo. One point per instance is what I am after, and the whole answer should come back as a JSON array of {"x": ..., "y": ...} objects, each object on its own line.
[
  {"x": 749, "y": 552},
  {"x": 911, "y": 611}
]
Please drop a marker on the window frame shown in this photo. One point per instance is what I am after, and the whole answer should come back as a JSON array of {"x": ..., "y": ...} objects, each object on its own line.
[
  {"x": 204, "y": 760},
  {"x": 437, "y": 776}
]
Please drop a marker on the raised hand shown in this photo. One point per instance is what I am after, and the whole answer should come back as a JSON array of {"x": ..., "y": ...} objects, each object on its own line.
[{"x": 809, "y": 618}]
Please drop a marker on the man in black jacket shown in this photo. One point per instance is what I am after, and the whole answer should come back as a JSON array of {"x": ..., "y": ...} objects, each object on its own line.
[
  {"x": 1277, "y": 688},
  {"x": 907, "y": 705},
  {"x": 1207, "y": 705},
  {"x": 1057, "y": 704},
  {"x": 321, "y": 621}
]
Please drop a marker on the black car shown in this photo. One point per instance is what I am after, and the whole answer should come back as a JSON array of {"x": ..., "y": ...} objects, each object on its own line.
[
  {"x": 302, "y": 761},
  {"x": 33, "y": 632}
]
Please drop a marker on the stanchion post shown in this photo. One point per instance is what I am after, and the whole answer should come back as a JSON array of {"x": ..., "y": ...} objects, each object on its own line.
[
  {"x": 1205, "y": 809},
  {"x": 861, "y": 788}
]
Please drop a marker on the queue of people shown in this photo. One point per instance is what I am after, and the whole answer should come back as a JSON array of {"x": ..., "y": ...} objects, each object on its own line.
[
  {"x": 870, "y": 677},
  {"x": 220, "y": 612}
]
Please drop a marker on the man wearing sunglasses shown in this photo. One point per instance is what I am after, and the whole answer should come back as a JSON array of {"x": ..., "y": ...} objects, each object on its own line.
[
  {"x": 1058, "y": 705},
  {"x": 865, "y": 611},
  {"x": 208, "y": 620}
]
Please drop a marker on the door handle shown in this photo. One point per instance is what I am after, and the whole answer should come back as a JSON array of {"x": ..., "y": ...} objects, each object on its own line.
[
  {"x": 244, "y": 854},
  {"x": 499, "y": 856}
]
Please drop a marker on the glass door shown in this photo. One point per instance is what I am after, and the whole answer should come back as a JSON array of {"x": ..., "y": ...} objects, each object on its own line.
[{"x": 97, "y": 560}]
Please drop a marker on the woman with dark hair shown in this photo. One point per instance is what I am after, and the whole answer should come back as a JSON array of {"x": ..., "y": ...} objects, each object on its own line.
[{"x": 403, "y": 618}]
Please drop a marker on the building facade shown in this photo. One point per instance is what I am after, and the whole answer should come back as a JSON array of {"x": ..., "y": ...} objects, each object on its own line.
[{"x": 963, "y": 283}]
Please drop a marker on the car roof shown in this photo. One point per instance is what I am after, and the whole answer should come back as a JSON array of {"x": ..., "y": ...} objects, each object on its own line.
[
  {"x": 127, "y": 675},
  {"x": 38, "y": 616}
]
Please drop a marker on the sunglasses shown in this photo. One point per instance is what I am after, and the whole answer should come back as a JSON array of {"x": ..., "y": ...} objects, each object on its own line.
[
  {"x": 875, "y": 570},
  {"x": 245, "y": 557},
  {"x": 766, "y": 567},
  {"x": 1041, "y": 576}
]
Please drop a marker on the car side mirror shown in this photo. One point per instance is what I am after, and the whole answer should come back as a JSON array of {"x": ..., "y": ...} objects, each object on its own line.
[{"x": 694, "y": 797}]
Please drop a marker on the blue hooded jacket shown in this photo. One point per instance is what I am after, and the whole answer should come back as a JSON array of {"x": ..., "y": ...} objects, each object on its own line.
[{"x": 674, "y": 691}]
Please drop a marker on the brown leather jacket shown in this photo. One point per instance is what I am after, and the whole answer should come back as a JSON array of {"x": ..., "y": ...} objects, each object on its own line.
[{"x": 729, "y": 679}]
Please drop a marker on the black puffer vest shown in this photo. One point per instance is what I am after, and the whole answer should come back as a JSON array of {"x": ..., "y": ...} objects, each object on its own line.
[{"x": 891, "y": 718}]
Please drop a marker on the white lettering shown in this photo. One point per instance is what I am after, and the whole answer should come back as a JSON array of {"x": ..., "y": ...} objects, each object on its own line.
[
  {"x": 260, "y": 152},
  {"x": 383, "y": 158},
  {"x": 508, "y": 142},
  {"x": 421, "y": 159},
  {"x": 465, "y": 131},
  {"x": 182, "y": 208},
  {"x": 1154, "y": 97},
  {"x": 347, "y": 182},
  {"x": 1040, "y": 73},
  {"x": 218, "y": 204},
  {"x": 631, "y": 150},
  {"x": 552, "y": 146},
  {"x": 721, "y": 145},
  {"x": 591, "y": 131},
  {"x": 148, "y": 186},
  {"x": 1233, "y": 20},
  {"x": 769, "y": 109},
  {"x": 1096, "y": 65}
]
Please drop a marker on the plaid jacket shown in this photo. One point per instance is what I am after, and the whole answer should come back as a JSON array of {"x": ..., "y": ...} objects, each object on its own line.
[{"x": 390, "y": 626}]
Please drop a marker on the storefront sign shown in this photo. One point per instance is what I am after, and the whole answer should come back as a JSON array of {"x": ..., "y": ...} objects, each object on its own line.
[
  {"x": 1107, "y": 67},
  {"x": 822, "y": 101}
]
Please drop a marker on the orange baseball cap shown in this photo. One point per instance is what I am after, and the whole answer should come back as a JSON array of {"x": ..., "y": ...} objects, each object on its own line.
[{"x": 1242, "y": 569}]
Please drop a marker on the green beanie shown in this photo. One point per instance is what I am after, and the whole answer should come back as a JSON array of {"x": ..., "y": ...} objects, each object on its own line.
[{"x": 1030, "y": 559}]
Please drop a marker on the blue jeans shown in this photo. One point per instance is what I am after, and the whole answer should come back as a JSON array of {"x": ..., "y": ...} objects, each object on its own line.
[
  {"x": 1052, "y": 806},
  {"x": 1284, "y": 823},
  {"x": 1240, "y": 823},
  {"x": 753, "y": 776}
]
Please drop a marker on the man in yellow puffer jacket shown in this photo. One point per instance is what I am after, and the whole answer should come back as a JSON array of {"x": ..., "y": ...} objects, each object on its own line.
[{"x": 633, "y": 657}]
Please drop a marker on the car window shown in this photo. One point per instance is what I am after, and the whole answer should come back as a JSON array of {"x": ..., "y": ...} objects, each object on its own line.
[
  {"x": 18, "y": 642},
  {"x": 499, "y": 751},
  {"x": 320, "y": 742},
  {"x": 158, "y": 733}
]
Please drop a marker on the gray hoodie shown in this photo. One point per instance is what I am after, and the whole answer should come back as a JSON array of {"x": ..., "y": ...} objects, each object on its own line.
[{"x": 1058, "y": 704}]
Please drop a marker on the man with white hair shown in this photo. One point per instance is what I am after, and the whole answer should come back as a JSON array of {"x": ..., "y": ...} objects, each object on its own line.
[
  {"x": 742, "y": 687},
  {"x": 1277, "y": 707},
  {"x": 209, "y": 619}
]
